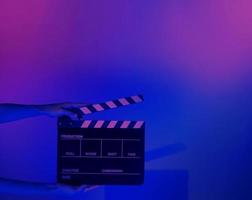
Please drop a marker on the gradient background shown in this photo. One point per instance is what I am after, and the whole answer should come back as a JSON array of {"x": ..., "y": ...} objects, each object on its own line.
[{"x": 190, "y": 58}]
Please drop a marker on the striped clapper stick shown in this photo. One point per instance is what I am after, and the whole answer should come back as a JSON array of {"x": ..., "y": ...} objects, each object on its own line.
[
  {"x": 91, "y": 108},
  {"x": 100, "y": 152}
]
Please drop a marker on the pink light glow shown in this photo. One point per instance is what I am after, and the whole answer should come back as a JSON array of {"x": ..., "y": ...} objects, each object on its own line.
[{"x": 209, "y": 41}]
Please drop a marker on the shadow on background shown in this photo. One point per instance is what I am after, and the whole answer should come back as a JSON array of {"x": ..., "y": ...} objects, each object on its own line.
[
  {"x": 158, "y": 184},
  {"x": 164, "y": 151}
]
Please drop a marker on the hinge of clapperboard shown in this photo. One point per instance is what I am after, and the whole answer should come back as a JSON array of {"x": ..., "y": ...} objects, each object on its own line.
[{"x": 112, "y": 104}]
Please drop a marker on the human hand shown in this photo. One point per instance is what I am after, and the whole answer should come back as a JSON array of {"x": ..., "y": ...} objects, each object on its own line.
[
  {"x": 67, "y": 190},
  {"x": 71, "y": 110},
  {"x": 19, "y": 187}
]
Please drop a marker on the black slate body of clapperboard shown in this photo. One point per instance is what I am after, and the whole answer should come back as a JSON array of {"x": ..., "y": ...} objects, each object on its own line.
[{"x": 100, "y": 156}]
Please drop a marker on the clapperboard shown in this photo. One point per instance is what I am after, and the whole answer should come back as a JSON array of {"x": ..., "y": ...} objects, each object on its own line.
[{"x": 100, "y": 151}]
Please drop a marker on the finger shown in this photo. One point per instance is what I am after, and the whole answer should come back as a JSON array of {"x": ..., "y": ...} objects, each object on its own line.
[
  {"x": 82, "y": 188},
  {"x": 76, "y": 111},
  {"x": 70, "y": 114},
  {"x": 74, "y": 105},
  {"x": 91, "y": 187}
]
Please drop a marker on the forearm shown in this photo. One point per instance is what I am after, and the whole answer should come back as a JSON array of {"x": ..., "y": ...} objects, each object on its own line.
[
  {"x": 15, "y": 187},
  {"x": 12, "y": 112},
  {"x": 23, "y": 188}
]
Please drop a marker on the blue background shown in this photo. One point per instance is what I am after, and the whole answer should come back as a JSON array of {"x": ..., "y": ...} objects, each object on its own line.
[{"x": 190, "y": 59}]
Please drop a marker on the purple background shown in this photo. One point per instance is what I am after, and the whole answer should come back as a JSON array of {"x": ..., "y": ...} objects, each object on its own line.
[{"x": 190, "y": 59}]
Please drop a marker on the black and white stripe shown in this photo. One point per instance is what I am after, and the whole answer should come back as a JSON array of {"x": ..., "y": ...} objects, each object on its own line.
[
  {"x": 112, "y": 124},
  {"x": 111, "y": 104}
]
